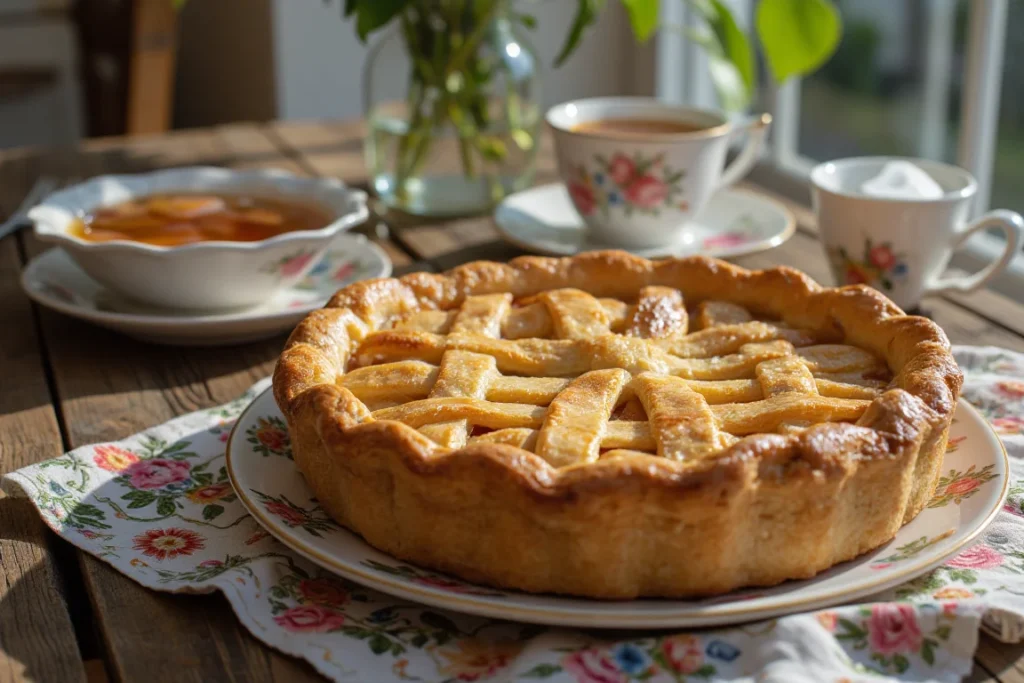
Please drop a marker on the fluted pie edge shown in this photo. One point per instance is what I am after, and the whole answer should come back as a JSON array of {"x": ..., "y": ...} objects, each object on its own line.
[{"x": 766, "y": 509}]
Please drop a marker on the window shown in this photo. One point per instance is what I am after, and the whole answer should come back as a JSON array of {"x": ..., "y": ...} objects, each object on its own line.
[{"x": 921, "y": 78}]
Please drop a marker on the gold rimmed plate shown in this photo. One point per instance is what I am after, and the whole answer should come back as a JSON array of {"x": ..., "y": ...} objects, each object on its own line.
[{"x": 970, "y": 494}]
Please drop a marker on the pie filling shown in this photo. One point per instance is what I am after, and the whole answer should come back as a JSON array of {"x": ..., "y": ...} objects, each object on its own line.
[{"x": 574, "y": 378}]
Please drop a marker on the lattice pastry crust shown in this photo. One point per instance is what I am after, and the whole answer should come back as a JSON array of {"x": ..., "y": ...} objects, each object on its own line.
[{"x": 613, "y": 427}]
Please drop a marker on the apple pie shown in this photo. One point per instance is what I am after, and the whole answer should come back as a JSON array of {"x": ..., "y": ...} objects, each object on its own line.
[{"x": 613, "y": 427}]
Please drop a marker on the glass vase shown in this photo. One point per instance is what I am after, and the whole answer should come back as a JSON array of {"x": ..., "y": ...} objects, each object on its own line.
[{"x": 451, "y": 96}]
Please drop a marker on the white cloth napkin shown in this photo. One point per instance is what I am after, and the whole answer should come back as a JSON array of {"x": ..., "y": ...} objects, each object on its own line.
[{"x": 158, "y": 508}]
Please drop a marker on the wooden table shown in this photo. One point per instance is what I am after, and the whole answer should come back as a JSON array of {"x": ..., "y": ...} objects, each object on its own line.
[{"x": 65, "y": 616}]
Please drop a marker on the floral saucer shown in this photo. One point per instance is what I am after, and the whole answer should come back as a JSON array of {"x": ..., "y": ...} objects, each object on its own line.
[
  {"x": 54, "y": 280},
  {"x": 542, "y": 219},
  {"x": 975, "y": 477}
]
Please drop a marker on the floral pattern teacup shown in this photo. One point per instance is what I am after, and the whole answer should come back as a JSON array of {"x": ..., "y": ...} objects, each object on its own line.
[
  {"x": 639, "y": 190},
  {"x": 901, "y": 246}
]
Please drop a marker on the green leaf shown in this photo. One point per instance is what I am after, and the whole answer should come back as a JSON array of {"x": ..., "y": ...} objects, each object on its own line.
[
  {"x": 439, "y": 622},
  {"x": 730, "y": 57},
  {"x": 966, "y": 576},
  {"x": 587, "y": 12},
  {"x": 379, "y": 644},
  {"x": 212, "y": 511},
  {"x": 141, "y": 499},
  {"x": 542, "y": 671},
  {"x": 851, "y": 630},
  {"x": 797, "y": 36},
  {"x": 523, "y": 139},
  {"x": 357, "y": 632},
  {"x": 165, "y": 507},
  {"x": 419, "y": 640},
  {"x": 927, "y": 653},
  {"x": 527, "y": 20},
  {"x": 901, "y": 663},
  {"x": 202, "y": 478},
  {"x": 87, "y": 510},
  {"x": 706, "y": 671},
  {"x": 492, "y": 148},
  {"x": 643, "y": 17},
  {"x": 370, "y": 16}
]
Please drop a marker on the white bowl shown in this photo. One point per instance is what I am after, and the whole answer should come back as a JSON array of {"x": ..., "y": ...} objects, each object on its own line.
[{"x": 206, "y": 275}]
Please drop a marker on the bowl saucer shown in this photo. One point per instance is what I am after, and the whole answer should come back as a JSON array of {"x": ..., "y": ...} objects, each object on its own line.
[{"x": 54, "y": 280}]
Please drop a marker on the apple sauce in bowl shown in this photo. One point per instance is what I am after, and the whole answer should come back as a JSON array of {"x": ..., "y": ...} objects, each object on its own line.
[
  {"x": 173, "y": 220},
  {"x": 199, "y": 238}
]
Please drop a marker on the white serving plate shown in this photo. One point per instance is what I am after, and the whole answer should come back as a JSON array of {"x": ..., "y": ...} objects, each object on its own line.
[{"x": 939, "y": 532}]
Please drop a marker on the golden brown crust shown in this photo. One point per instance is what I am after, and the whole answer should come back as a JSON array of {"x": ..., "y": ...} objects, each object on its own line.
[{"x": 627, "y": 525}]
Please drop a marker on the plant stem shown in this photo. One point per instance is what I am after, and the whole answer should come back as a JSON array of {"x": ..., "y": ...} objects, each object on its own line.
[
  {"x": 445, "y": 84},
  {"x": 471, "y": 43}
]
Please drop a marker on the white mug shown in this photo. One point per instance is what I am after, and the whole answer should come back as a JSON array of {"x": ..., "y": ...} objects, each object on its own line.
[
  {"x": 902, "y": 246},
  {"x": 638, "y": 189}
]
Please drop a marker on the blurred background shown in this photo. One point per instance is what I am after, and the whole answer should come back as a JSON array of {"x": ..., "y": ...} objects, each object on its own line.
[{"x": 897, "y": 84}]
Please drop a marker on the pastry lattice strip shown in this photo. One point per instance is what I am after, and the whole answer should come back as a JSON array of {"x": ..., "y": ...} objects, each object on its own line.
[{"x": 448, "y": 372}]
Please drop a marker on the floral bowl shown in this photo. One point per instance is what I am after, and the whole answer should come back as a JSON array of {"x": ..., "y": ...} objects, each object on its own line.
[{"x": 204, "y": 275}]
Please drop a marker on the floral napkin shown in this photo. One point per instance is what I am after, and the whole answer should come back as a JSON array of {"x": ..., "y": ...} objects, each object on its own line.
[{"x": 158, "y": 507}]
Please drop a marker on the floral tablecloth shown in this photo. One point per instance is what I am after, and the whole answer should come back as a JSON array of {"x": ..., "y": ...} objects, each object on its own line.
[{"x": 158, "y": 507}]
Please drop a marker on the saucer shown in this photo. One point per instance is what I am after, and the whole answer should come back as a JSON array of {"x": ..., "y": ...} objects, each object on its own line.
[
  {"x": 53, "y": 280},
  {"x": 734, "y": 223}
]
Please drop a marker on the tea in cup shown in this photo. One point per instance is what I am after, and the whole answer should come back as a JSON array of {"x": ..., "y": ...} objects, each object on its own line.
[{"x": 638, "y": 169}]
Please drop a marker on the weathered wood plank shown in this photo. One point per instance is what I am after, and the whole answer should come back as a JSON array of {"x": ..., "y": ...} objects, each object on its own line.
[
  {"x": 993, "y": 306},
  {"x": 431, "y": 240},
  {"x": 980, "y": 675},
  {"x": 333, "y": 149},
  {"x": 1005, "y": 662},
  {"x": 110, "y": 387},
  {"x": 37, "y": 638}
]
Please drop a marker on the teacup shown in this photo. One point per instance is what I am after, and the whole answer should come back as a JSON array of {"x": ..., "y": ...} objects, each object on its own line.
[
  {"x": 902, "y": 246},
  {"x": 637, "y": 185}
]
